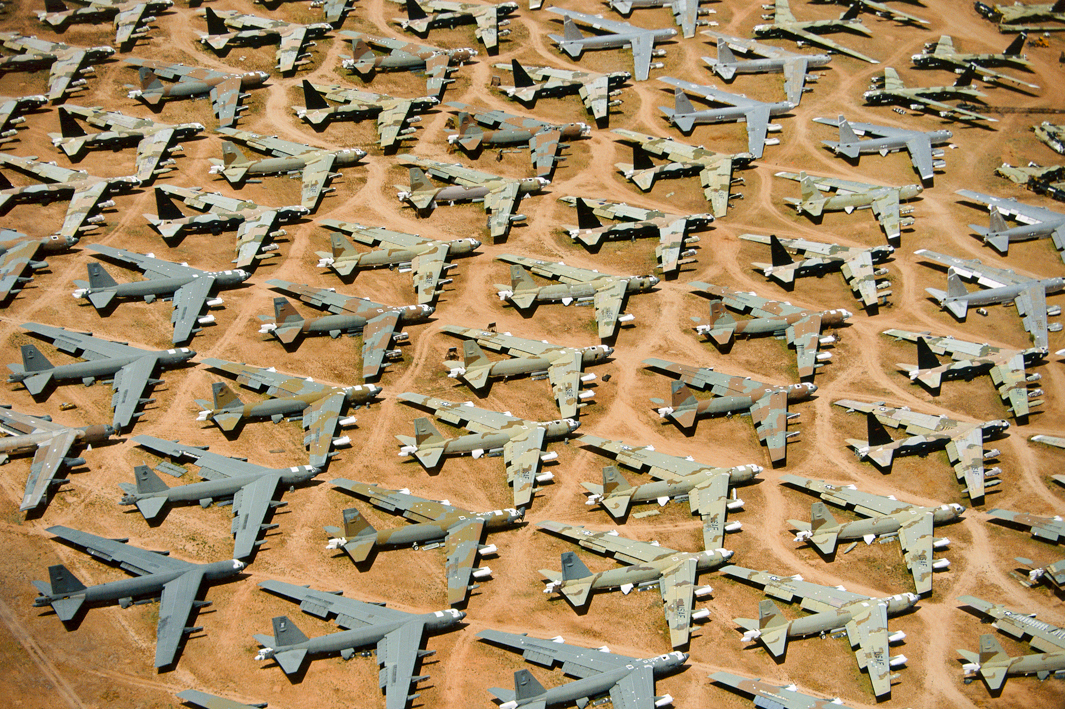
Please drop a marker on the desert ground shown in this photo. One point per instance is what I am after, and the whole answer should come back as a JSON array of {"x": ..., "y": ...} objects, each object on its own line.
[{"x": 104, "y": 659}]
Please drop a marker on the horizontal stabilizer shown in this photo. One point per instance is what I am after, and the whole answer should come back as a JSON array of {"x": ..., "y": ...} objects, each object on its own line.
[
  {"x": 290, "y": 660},
  {"x": 150, "y": 507}
]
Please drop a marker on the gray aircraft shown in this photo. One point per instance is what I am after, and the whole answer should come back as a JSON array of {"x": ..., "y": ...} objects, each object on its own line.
[
  {"x": 225, "y": 91},
  {"x": 686, "y": 13},
  {"x": 628, "y": 681},
  {"x": 886, "y": 139},
  {"x": 189, "y": 288},
  {"x": 174, "y": 582},
  {"x": 769, "y": 60},
  {"x": 616, "y": 35},
  {"x": 1032, "y": 222},
  {"x": 18, "y": 255},
  {"x": 436, "y": 523},
  {"x": 129, "y": 368},
  {"x": 67, "y": 65},
  {"x": 396, "y": 635},
  {"x": 765, "y": 694},
  {"x": 50, "y": 442},
  {"x": 598, "y": 91},
  {"x": 250, "y": 488}
]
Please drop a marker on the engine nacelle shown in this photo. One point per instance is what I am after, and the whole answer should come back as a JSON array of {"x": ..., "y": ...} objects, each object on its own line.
[{"x": 658, "y": 53}]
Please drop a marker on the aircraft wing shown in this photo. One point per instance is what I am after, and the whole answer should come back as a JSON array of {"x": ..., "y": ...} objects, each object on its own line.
[
  {"x": 771, "y": 695},
  {"x": 390, "y": 122},
  {"x": 315, "y": 175},
  {"x": 817, "y": 40},
  {"x": 565, "y": 376},
  {"x": 628, "y": 551},
  {"x": 920, "y": 148},
  {"x": 636, "y": 690},
  {"x": 350, "y": 613},
  {"x": 189, "y": 302},
  {"x": 770, "y": 416},
  {"x": 1045, "y": 637},
  {"x": 139, "y": 562},
  {"x": 462, "y": 542},
  {"x": 522, "y": 457},
  {"x": 717, "y": 182},
  {"x": 868, "y": 635},
  {"x": 376, "y": 337},
  {"x": 1032, "y": 307},
  {"x": 465, "y": 415},
  {"x": 212, "y": 465},
  {"x": 150, "y": 151},
  {"x": 288, "y": 50},
  {"x": 320, "y": 421},
  {"x": 859, "y": 274},
  {"x": 916, "y": 538},
  {"x": 500, "y": 204},
  {"x": 896, "y": 15},
  {"x": 83, "y": 344},
  {"x": 966, "y": 454},
  {"x": 886, "y": 211},
  {"x": 864, "y": 503},
  {"x": 81, "y": 205},
  {"x": 13, "y": 263},
  {"x": 1051, "y": 529},
  {"x": 427, "y": 268},
  {"x": 225, "y": 96},
  {"x": 153, "y": 268},
  {"x": 175, "y": 607},
  {"x": 710, "y": 501},
  {"x": 47, "y": 461},
  {"x": 596, "y": 94},
  {"x": 805, "y": 336},
  {"x": 670, "y": 242},
  {"x": 757, "y": 127},
  {"x": 487, "y": 30},
  {"x": 414, "y": 508},
  {"x": 127, "y": 21},
  {"x": 274, "y": 382},
  {"x": 608, "y": 301},
  {"x": 782, "y": 12},
  {"x": 210, "y": 701},
  {"x": 1009, "y": 379},
  {"x": 397, "y": 654},
  {"x": 576, "y": 661},
  {"x": 544, "y": 149},
  {"x": 678, "y": 590},
  {"x": 685, "y": 14},
  {"x": 986, "y": 276},
  {"x": 946, "y": 110},
  {"x": 812, "y": 597},
  {"x": 129, "y": 385},
  {"x": 642, "y": 46},
  {"x": 251, "y": 235},
  {"x": 795, "y": 70},
  {"x": 64, "y": 69},
  {"x": 250, "y": 505}
]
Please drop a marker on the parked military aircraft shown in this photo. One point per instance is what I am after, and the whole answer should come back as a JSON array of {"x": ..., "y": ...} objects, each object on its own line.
[
  {"x": 993, "y": 664},
  {"x": 770, "y": 60},
  {"x": 606, "y": 292},
  {"x": 886, "y": 139},
  {"x": 12, "y": 108},
  {"x": 599, "y": 92},
  {"x": 1015, "y": 17},
  {"x": 85, "y": 192},
  {"x": 889, "y": 89},
  {"x": 225, "y": 91},
  {"x": 714, "y": 169},
  {"x": 129, "y": 368},
  {"x": 436, "y": 63},
  {"x": 427, "y": 259},
  {"x": 673, "y": 231},
  {"x": 67, "y": 65},
  {"x": 286, "y": 157},
  {"x": 1006, "y": 367},
  {"x": 250, "y": 488},
  {"x": 881, "y": 200},
  {"x": 856, "y": 264},
  {"x": 174, "y": 582},
  {"x": 963, "y": 441},
  {"x": 913, "y": 524},
  {"x": 865, "y": 619},
  {"x": 881, "y": 10},
  {"x": 393, "y": 114},
  {"x": 686, "y": 13},
  {"x": 810, "y": 32},
  {"x": 396, "y": 635},
  {"x": 1053, "y": 573},
  {"x": 1049, "y": 529},
  {"x": 1033, "y": 222},
  {"x": 1055, "y": 441},
  {"x": 227, "y": 27},
  {"x": 942, "y": 55},
  {"x": 1051, "y": 135},
  {"x": 648, "y": 564},
  {"x": 1001, "y": 285},
  {"x": 1049, "y": 180},
  {"x": 766, "y": 403},
  {"x": 489, "y": 18},
  {"x": 18, "y": 255},
  {"x": 350, "y": 314},
  {"x": 189, "y": 288},
  {"x": 50, "y": 443},
  {"x": 737, "y": 107},
  {"x": 211, "y": 701},
  {"x": 254, "y": 223},
  {"x": 615, "y": 35},
  {"x": 801, "y": 327},
  {"x": 436, "y": 523},
  {"x": 628, "y": 681},
  {"x": 1023, "y": 626},
  {"x": 499, "y": 196},
  {"x": 521, "y": 441},
  {"x": 318, "y": 405},
  {"x": 131, "y": 19},
  {"x": 786, "y": 697}
]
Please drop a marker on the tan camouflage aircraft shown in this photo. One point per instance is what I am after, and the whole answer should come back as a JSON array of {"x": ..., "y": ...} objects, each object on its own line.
[
  {"x": 437, "y": 63},
  {"x": 889, "y": 89},
  {"x": 224, "y": 90},
  {"x": 1017, "y": 16},
  {"x": 66, "y": 64},
  {"x": 489, "y": 18},
  {"x": 227, "y": 27},
  {"x": 1049, "y": 529},
  {"x": 131, "y": 19},
  {"x": 18, "y": 254},
  {"x": 942, "y": 55},
  {"x": 393, "y": 114},
  {"x": 599, "y": 92},
  {"x": 810, "y": 32},
  {"x": 786, "y": 697},
  {"x": 993, "y": 664},
  {"x": 11, "y": 109}
]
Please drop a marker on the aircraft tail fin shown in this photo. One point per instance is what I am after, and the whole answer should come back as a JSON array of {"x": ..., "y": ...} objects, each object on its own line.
[
  {"x": 33, "y": 360},
  {"x": 522, "y": 79},
  {"x": 682, "y": 111},
  {"x": 520, "y": 279},
  {"x": 68, "y": 125},
  {"x": 852, "y": 12},
  {"x": 227, "y": 404},
  {"x": 286, "y": 633},
  {"x": 955, "y": 285},
  {"x": 813, "y": 200},
  {"x": 926, "y": 358},
  {"x": 573, "y": 568},
  {"x": 425, "y": 433},
  {"x": 773, "y": 628},
  {"x": 616, "y": 492},
  {"x": 313, "y": 100},
  {"x": 990, "y": 652},
  {"x": 967, "y": 76},
  {"x": 288, "y": 323},
  {"x": 877, "y": 434},
  {"x": 63, "y": 581},
  {"x": 363, "y": 58},
  {"x": 473, "y": 356},
  {"x": 684, "y": 405},
  {"x": 780, "y": 255},
  {"x": 360, "y": 535},
  {"x": 570, "y": 33},
  {"x": 824, "y": 528},
  {"x": 99, "y": 277},
  {"x": 340, "y": 246},
  {"x": 165, "y": 207},
  {"x": 725, "y": 59},
  {"x": 586, "y": 218},
  {"x": 149, "y": 81},
  {"x": 722, "y": 325},
  {"x": 5, "y": 184},
  {"x": 232, "y": 154},
  {"x": 54, "y": 6},
  {"x": 526, "y": 686},
  {"x": 147, "y": 481},
  {"x": 415, "y": 11},
  {"x": 1016, "y": 45},
  {"x": 996, "y": 222},
  {"x": 215, "y": 24},
  {"x": 640, "y": 159},
  {"x": 419, "y": 181}
]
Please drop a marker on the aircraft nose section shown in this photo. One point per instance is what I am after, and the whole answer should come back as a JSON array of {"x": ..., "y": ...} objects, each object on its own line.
[
  {"x": 475, "y": 244},
  {"x": 428, "y": 310},
  {"x": 238, "y": 564},
  {"x": 574, "y": 424},
  {"x": 607, "y": 350}
]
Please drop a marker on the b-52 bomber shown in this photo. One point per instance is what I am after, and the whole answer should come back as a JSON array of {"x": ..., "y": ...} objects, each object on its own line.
[
  {"x": 943, "y": 55},
  {"x": 766, "y": 403},
  {"x": 1032, "y": 223},
  {"x": 436, "y": 522},
  {"x": 599, "y": 92},
  {"x": 255, "y": 224},
  {"x": 810, "y": 32},
  {"x": 801, "y": 327},
  {"x": 673, "y": 231},
  {"x": 67, "y": 65},
  {"x": 865, "y": 619},
  {"x": 881, "y": 200},
  {"x": 521, "y": 441},
  {"x": 249, "y": 487},
  {"x": 129, "y": 368},
  {"x": 86, "y": 192},
  {"x": 648, "y": 564},
  {"x": 231, "y": 27},
  {"x": 316, "y": 165},
  {"x": 393, "y": 114},
  {"x": 963, "y": 441},
  {"x": 770, "y": 59},
  {"x": 130, "y": 18},
  {"x": 606, "y": 292},
  {"x": 396, "y": 635},
  {"x": 189, "y": 288},
  {"x": 225, "y": 91},
  {"x": 714, "y": 169},
  {"x": 1049, "y": 529},
  {"x": 913, "y": 524},
  {"x": 50, "y": 442},
  {"x": 499, "y": 196},
  {"x": 427, "y": 259},
  {"x": 174, "y": 582},
  {"x": 11, "y": 110},
  {"x": 1015, "y": 17},
  {"x": 735, "y": 107},
  {"x": 880, "y": 10},
  {"x": 562, "y": 366},
  {"x": 993, "y": 664},
  {"x": 886, "y": 139},
  {"x": 153, "y": 139},
  {"x": 18, "y": 254},
  {"x": 763, "y": 693},
  {"x": 615, "y": 35},
  {"x": 479, "y": 128},
  {"x": 889, "y": 89},
  {"x": 436, "y": 63},
  {"x": 857, "y": 265},
  {"x": 629, "y": 682},
  {"x": 705, "y": 486},
  {"x": 1025, "y": 627},
  {"x": 349, "y": 313},
  {"x": 317, "y": 405},
  {"x": 1006, "y": 367},
  {"x": 489, "y": 18},
  {"x": 686, "y": 13}
]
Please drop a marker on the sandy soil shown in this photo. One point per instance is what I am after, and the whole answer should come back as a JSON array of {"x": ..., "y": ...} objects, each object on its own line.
[{"x": 106, "y": 659}]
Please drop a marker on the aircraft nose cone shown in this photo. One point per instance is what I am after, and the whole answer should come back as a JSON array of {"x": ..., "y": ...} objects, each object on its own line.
[
  {"x": 608, "y": 350},
  {"x": 475, "y": 244},
  {"x": 428, "y": 309},
  {"x": 109, "y": 430}
]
